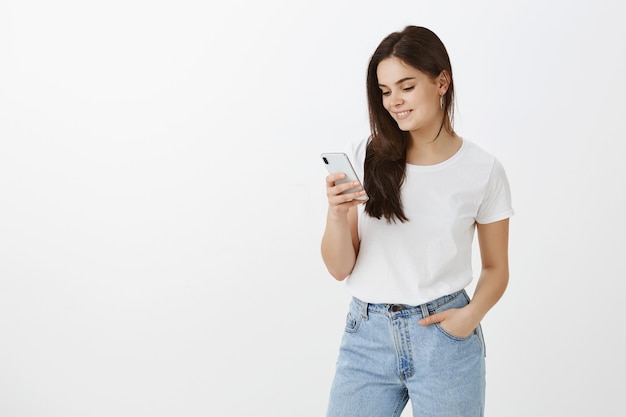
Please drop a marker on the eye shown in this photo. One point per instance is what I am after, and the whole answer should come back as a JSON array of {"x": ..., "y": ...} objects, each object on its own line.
[
  {"x": 386, "y": 93},
  {"x": 408, "y": 88}
]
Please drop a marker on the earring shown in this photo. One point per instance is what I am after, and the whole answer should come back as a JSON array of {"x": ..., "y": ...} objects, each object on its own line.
[{"x": 441, "y": 101}]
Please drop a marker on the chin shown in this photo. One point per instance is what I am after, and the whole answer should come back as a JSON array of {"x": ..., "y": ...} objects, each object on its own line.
[{"x": 406, "y": 127}]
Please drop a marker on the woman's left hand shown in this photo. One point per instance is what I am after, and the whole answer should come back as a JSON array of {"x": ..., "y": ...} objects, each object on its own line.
[{"x": 458, "y": 322}]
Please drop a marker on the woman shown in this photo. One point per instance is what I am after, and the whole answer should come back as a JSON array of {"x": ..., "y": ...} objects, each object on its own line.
[{"x": 412, "y": 331}]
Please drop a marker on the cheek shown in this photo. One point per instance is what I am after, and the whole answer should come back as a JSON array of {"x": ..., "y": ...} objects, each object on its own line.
[{"x": 428, "y": 103}]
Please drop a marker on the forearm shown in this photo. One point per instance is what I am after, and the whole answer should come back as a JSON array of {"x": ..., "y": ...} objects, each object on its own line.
[
  {"x": 490, "y": 288},
  {"x": 494, "y": 277},
  {"x": 338, "y": 251}
]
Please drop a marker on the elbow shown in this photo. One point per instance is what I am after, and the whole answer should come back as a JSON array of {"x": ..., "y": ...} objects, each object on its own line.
[
  {"x": 340, "y": 277},
  {"x": 504, "y": 273},
  {"x": 338, "y": 274},
  {"x": 500, "y": 275},
  {"x": 339, "y": 267}
]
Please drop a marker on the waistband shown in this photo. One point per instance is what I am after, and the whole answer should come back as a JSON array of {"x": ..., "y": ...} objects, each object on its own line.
[{"x": 424, "y": 310}]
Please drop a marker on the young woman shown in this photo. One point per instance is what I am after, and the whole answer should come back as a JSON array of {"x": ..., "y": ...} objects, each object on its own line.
[{"x": 412, "y": 332}]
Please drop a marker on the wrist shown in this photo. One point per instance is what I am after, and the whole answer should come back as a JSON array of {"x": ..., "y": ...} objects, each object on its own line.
[
  {"x": 475, "y": 311},
  {"x": 337, "y": 217}
]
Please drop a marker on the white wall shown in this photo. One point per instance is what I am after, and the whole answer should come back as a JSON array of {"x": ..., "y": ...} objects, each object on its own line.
[{"x": 162, "y": 199}]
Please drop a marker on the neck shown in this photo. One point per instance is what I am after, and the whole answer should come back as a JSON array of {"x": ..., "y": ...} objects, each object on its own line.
[
  {"x": 428, "y": 148},
  {"x": 432, "y": 132}
]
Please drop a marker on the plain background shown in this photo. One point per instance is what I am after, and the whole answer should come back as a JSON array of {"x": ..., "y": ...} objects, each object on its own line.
[{"x": 162, "y": 199}]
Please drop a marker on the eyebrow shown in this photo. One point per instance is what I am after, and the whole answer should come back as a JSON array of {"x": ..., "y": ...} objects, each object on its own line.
[{"x": 399, "y": 81}]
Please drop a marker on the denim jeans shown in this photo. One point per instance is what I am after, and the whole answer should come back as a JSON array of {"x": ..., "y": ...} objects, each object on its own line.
[{"x": 386, "y": 357}]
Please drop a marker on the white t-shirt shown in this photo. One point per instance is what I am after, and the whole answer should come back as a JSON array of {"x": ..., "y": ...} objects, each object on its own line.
[{"x": 430, "y": 255}]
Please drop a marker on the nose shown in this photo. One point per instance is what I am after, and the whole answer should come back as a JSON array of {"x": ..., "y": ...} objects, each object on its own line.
[{"x": 394, "y": 100}]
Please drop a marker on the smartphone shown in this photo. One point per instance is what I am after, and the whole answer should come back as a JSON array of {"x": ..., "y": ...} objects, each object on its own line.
[{"x": 339, "y": 162}]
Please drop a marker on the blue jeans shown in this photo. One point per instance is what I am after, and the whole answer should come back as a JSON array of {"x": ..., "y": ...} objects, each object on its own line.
[{"x": 386, "y": 357}]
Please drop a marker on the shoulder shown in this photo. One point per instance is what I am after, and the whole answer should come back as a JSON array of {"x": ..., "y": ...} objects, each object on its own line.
[
  {"x": 359, "y": 145},
  {"x": 356, "y": 150},
  {"x": 476, "y": 153},
  {"x": 478, "y": 157}
]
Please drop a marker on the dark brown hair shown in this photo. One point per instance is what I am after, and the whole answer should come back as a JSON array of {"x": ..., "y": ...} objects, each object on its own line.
[{"x": 385, "y": 160}]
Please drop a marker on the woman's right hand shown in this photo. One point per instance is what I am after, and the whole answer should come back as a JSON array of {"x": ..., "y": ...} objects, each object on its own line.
[{"x": 338, "y": 203}]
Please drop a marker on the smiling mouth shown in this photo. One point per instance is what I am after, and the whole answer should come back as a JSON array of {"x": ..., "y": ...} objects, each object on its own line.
[{"x": 402, "y": 114}]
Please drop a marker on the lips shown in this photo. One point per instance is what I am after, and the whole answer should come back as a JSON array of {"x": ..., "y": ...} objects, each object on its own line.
[{"x": 402, "y": 114}]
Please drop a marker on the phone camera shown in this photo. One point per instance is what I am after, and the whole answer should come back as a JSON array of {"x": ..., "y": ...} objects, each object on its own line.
[{"x": 325, "y": 160}]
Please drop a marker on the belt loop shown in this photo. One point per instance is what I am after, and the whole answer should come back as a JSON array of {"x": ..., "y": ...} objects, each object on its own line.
[
  {"x": 425, "y": 312},
  {"x": 364, "y": 308}
]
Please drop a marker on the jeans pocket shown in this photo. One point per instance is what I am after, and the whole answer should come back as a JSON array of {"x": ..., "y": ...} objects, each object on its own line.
[
  {"x": 477, "y": 333},
  {"x": 460, "y": 301},
  {"x": 352, "y": 322},
  {"x": 453, "y": 337}
]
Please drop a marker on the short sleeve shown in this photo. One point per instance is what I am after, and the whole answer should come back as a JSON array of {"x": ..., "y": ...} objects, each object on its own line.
[
  {"x": 356, "y": 153},
  {"x": 496, "y": 204}
]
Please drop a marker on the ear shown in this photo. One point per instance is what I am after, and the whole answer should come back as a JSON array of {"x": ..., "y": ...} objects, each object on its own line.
[{"x": 443, "y": 81}]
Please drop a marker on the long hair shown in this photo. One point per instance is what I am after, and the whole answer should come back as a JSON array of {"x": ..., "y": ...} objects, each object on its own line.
[{"x": 385, "y": 160}]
